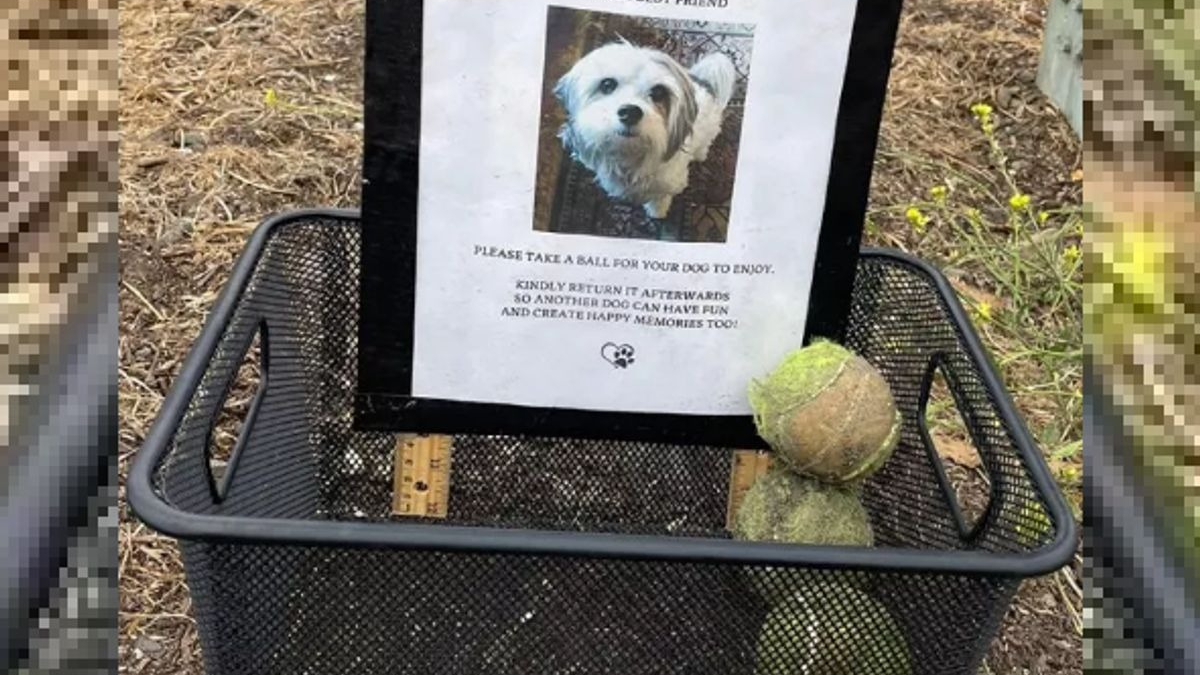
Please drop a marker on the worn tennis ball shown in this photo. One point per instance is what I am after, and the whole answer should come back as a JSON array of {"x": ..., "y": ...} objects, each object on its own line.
[
  {"x": 787, "y": 508},
  {"x": 828, "y": 413},
  {"x": 832, "y": 629}
]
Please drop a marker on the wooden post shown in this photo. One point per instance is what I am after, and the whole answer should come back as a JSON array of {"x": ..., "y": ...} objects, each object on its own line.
[{"x": 1060, "y": 74}]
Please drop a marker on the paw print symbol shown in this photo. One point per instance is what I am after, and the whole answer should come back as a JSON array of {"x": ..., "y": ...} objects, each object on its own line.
[{"x": 624, "y": 357}]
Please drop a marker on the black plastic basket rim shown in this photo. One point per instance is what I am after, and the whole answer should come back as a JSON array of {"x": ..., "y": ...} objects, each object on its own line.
[{"x": 169, "y": 520}]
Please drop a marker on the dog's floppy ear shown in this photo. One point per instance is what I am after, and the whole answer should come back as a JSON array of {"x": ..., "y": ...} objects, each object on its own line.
[
  {"x": 683, "y": 106},
  {"x": 564, "y": 91}
]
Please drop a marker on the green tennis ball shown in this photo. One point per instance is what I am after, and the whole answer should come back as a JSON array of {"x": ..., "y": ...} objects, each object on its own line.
[
  {"x": 828, "y": 413},
  {"x": 785, "y": 507},
  {"x": 832, "y": 629}
]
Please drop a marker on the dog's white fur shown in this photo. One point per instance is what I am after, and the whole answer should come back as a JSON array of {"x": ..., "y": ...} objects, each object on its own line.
[{"x": 681, "y": 114}]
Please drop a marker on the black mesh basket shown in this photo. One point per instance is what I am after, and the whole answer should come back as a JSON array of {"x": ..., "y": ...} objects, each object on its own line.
[{"x": 559, "y": 555}]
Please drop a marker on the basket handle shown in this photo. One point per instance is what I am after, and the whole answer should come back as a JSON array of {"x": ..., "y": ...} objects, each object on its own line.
[
  {"x": 966, "y": 530},
  {"x": 220, "y": 487}
]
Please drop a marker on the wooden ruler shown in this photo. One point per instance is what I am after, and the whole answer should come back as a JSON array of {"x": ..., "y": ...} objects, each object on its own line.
[
  {"x": 748, "y": 467},
  {"x": 422, "y": 476}
]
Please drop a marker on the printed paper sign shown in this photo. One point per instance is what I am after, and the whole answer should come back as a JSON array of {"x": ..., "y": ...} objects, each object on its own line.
[{"x": 620, "y": 200}]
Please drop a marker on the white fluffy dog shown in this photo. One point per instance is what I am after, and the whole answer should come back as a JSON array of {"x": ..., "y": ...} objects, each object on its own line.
[{"x": 638, "y": 119}]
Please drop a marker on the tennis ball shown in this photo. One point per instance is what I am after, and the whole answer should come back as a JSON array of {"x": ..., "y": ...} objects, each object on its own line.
[
  {"x": 828, "y": 413},
  {"x": 831, "y": 629},
  {"x": 785, "y": 507}
]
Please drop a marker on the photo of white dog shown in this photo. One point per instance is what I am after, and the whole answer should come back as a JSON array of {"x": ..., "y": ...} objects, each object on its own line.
[
  {"x": 640, "y": 125},
  {"x": 638, "y": 119}
]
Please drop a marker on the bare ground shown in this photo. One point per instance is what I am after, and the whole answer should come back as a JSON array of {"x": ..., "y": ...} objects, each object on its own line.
[{"x": 205, "y": 156}]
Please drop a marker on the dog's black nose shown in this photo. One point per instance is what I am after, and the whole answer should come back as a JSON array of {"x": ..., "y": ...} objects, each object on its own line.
[{"x": 630, "y": 115}]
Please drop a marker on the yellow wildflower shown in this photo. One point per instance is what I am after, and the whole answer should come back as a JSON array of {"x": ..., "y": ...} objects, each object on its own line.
[
  {"x": 983, "y": 311},
  {"x": 983, "y": 113},
  {"x": 917, "y": 219},
  {"x": 1019, "y": 202},
  {"x": 939, "y": 193},
  {"x": 1071, "y": 255},
  {"x": 270, "y": 98}
]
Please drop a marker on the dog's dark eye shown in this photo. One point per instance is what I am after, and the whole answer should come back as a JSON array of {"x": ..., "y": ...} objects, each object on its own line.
[
  {"x": 607, "y": 85},
  {"x": 660, "y": 94}
]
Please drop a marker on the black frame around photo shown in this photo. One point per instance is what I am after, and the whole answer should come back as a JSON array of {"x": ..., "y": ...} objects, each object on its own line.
[{"x": 394, "y": 42}]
